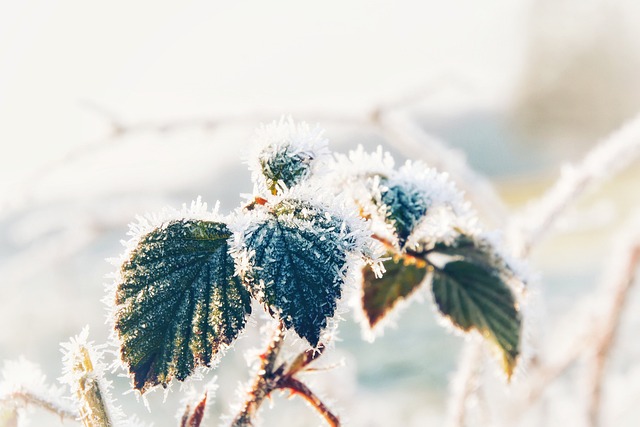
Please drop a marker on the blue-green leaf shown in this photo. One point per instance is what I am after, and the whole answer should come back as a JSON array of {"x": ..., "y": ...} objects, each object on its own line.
[
  {"x": 298, "y": 265},
  {"x": 178, "y": 301},
  {"x": 476, "y": 298},
  {"x": 404, "y": 208},
  {"x": 284, "y": 170}
]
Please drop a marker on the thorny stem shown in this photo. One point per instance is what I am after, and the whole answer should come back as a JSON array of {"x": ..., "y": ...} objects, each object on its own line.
[
  {"x": 606, "y": 339},
  {"x": 272, "y": 377}
]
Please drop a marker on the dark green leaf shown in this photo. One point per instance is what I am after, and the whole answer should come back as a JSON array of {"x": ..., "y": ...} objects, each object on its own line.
[
  {"x": 472, "y": 297},
  {"x": 299, "y": 257},
  {"x": 178, "y": 301},
  {"x": 284, "y": 170},
  {"x": 405, "y": 208},
  {"x": 379, "y": 295}
]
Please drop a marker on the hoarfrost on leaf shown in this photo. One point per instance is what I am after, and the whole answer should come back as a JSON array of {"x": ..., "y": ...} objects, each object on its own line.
[
  {"x": 299, "y": 255},
  {"x": 286, "y": 154},
  {"x": 177, "y": 301},
  {"x": 420, "y": 205}
]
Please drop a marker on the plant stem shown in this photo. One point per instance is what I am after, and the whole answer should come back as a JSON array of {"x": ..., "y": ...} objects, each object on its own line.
[
  {"x": 297, "y": 387},
  {"x": 265, "y": 382},
  {"x": 273, "y": 377}
]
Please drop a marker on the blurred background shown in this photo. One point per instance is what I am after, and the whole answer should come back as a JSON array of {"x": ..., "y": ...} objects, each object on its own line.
[{"x": 109, "y": 110}]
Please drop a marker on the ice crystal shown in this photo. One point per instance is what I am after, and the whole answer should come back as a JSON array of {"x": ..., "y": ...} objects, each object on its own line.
[{"x": 285, "y": 154}]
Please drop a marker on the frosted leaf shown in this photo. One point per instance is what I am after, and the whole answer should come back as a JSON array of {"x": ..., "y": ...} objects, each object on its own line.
[
  {"x": 482, "y": 249},
  {"x": 472, "y": 297},
  {"x": 177, "y": 301},
  {"x": 296, "y": 256},
  {"x": 380, "y": 295},
  {"x": 420, "y": 204},
  {"x": 286, "y": 154}
]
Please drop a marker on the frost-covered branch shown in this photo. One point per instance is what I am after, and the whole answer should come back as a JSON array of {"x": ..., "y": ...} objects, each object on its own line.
[
  {"x": 606, "y": 159},
  {"x": 624, "y": 277},
  {"x": 84, "y": 374},
  {"x": 464, "y": 383},
  {"x": 24, "y": 384},
  {"x": 25, "y": 397}
]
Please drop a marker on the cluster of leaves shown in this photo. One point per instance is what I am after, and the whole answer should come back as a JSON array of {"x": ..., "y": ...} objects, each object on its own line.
[
  {"x": 185, "y": 285},
  {"x": 186, "y": 282},
  {"x": 432, "y": 239}
]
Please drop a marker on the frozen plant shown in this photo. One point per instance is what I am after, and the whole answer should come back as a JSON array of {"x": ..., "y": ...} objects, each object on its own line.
[{"x": 315, "y": 226}]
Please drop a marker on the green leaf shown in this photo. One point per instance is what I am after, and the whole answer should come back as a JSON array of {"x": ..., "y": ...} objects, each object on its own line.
[
  {"x": 284, "y": 170},
  {"x": 472, "y": 297},
  {"x": 297, "y": 267},
  {"x": 379, "y": 295},
  {"x": 405, "y": 207},
  {"x": 178, "y": 301}
]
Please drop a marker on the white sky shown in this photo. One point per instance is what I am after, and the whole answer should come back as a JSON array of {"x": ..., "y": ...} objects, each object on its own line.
[{"x": 150, "y": 59}]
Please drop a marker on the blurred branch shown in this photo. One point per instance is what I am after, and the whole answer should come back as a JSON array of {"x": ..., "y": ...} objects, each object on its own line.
[
  {"x": 464, "y": 383},
  {"x": 383, "y": 118},
  {"x": 603, "y": 161},
  {"x": 619, "y": 278},
  {"x": 527, "y": 229},
  {"x": 606, "y": 336},
  {"x": 26, "y": 397}
]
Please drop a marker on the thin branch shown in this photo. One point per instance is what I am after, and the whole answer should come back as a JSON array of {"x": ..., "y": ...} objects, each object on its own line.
[
  {"x": 606, "y": 159},
  {"x": 27, "y": 397},
  {"x": 608, "y": 333},
  {"x": 297, "y": 387},
  {"x": 464, "y": 383}
]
